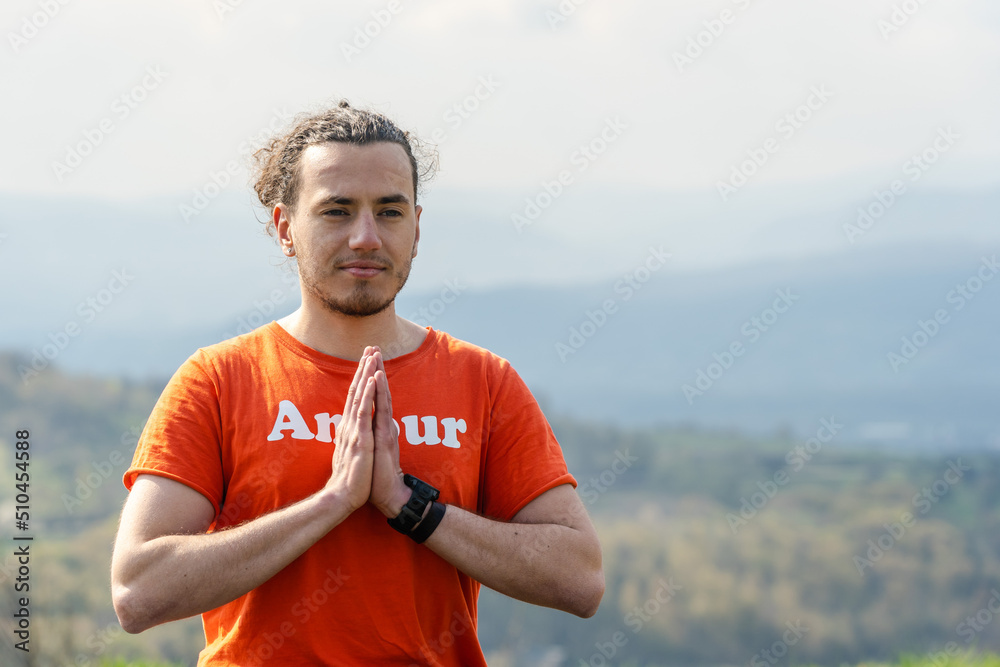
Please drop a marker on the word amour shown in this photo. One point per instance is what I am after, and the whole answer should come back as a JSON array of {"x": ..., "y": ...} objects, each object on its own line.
[{"x": 290, "y": 419}]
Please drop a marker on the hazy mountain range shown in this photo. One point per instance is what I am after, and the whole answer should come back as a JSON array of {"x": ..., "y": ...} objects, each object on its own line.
[{"x": 620, "y": 349}]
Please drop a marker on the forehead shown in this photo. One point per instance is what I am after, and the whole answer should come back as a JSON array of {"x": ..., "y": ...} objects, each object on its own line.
[{"x": 348, "y": 170}]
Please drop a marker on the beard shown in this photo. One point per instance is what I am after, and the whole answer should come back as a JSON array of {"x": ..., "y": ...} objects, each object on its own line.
[{"x": 363, "y": 299}]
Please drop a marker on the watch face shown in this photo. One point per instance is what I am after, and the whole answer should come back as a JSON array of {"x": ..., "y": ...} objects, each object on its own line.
[
  {"x": 420, "y": 488},
  {"x": 413, "y": 510}
]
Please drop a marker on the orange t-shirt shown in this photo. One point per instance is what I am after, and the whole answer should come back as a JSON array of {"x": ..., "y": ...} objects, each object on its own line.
[{"x": 250, "y": 424}]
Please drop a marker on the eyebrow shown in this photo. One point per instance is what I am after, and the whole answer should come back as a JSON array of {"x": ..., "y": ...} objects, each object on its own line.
[{"x": 339, "y": 200}]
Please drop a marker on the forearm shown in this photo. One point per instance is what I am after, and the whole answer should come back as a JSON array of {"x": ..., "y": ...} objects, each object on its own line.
[
  {"x": 546, "y": 564},
  {"x": 176, "y": 576}
]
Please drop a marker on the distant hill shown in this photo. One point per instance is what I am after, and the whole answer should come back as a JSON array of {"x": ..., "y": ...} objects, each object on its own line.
[
  {"x": 659, "y": 355},
  {"x": 713, "y": 542},
  {"x": 828, "y": 355}
]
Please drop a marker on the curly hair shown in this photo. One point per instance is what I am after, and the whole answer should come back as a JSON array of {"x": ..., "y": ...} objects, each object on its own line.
[{"x": 276, "y": 166}]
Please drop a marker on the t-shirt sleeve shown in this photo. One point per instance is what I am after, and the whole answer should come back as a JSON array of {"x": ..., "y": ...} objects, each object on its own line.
[
  {"x": 523, "y": 457},
  {"x": 182, "y": 439}
]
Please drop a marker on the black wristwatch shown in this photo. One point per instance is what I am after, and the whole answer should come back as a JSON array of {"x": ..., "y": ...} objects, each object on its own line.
[{"x": 413, "y": 510}]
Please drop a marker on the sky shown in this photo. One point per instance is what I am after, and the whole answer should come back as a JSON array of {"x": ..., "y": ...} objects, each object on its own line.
[
  {"x": 576, "y": 140},
  {"x": 578, "y": 133}
]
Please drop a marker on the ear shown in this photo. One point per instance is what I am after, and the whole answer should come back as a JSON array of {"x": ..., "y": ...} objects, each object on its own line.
[
  {"x": 416, "y": 233},
  {"x": 283, "y": 228}
]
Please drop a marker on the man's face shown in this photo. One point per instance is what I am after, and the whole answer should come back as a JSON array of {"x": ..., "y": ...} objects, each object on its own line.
[{"x": 355, "y": 226}]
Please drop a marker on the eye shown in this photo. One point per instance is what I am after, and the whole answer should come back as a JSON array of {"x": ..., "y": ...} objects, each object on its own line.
[
  {"x": 392, "y": 213},
  {"x": 336, "y": 212}
]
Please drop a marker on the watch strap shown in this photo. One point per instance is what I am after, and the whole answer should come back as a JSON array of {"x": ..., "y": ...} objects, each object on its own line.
[
  {"x": 411, "y": 513},
  {"x": 430, "y": 522}
]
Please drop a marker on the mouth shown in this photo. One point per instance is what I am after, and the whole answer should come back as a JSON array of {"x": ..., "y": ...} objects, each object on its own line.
[{"x": 362, "y": 269}]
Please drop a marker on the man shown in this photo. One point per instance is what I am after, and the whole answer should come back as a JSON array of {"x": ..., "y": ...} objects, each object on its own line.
[{"x": 305, "y": 537}]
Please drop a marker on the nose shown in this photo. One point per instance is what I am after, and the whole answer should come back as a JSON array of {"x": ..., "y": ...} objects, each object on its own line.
[{"x": 364, "y": 233}]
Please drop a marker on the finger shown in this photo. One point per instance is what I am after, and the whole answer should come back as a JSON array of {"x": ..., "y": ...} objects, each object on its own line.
[
  {"x": 386, "y": 396},
  {"x": 357, "y": 378},
  {"x": 393, "y": 428},
  {"x": 367, "y": 373},
  {"x": 367, "y": 404},
  {"x": 383, "y": 404},
  {"x": 361, "y": 433}
]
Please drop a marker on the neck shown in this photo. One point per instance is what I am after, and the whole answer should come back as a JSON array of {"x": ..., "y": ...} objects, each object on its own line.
[{"x": 346, "y": 337}]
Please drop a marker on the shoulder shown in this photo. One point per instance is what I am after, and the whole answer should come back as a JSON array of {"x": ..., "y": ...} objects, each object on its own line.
[
  {"x": 242, "y": 352},
  {"x": 462, "y": 351},
  {"x": 476, "y": 368}
]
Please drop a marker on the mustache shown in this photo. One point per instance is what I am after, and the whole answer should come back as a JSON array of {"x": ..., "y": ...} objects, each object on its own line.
[{"x": 380, "y": 262}]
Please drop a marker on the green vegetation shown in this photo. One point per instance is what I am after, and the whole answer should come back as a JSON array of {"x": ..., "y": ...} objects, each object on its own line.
[
  {"x": 120, "y": 662},
  {"x": 718, "y": 549},
  {"x": 963, "y": 659},
  {"x": 966, "y": 658}
]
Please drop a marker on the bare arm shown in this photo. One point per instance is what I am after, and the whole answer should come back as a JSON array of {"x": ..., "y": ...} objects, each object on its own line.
[
  {"x": 547, "y": 555},
  {"x": 165, "y": 566}
]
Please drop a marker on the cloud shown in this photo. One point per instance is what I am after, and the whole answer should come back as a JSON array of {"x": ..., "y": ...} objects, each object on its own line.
[{"x": 559, "y": 84}]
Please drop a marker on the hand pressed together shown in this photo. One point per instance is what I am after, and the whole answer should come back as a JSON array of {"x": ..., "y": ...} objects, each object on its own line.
[{"x": 366, "y": 448}]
